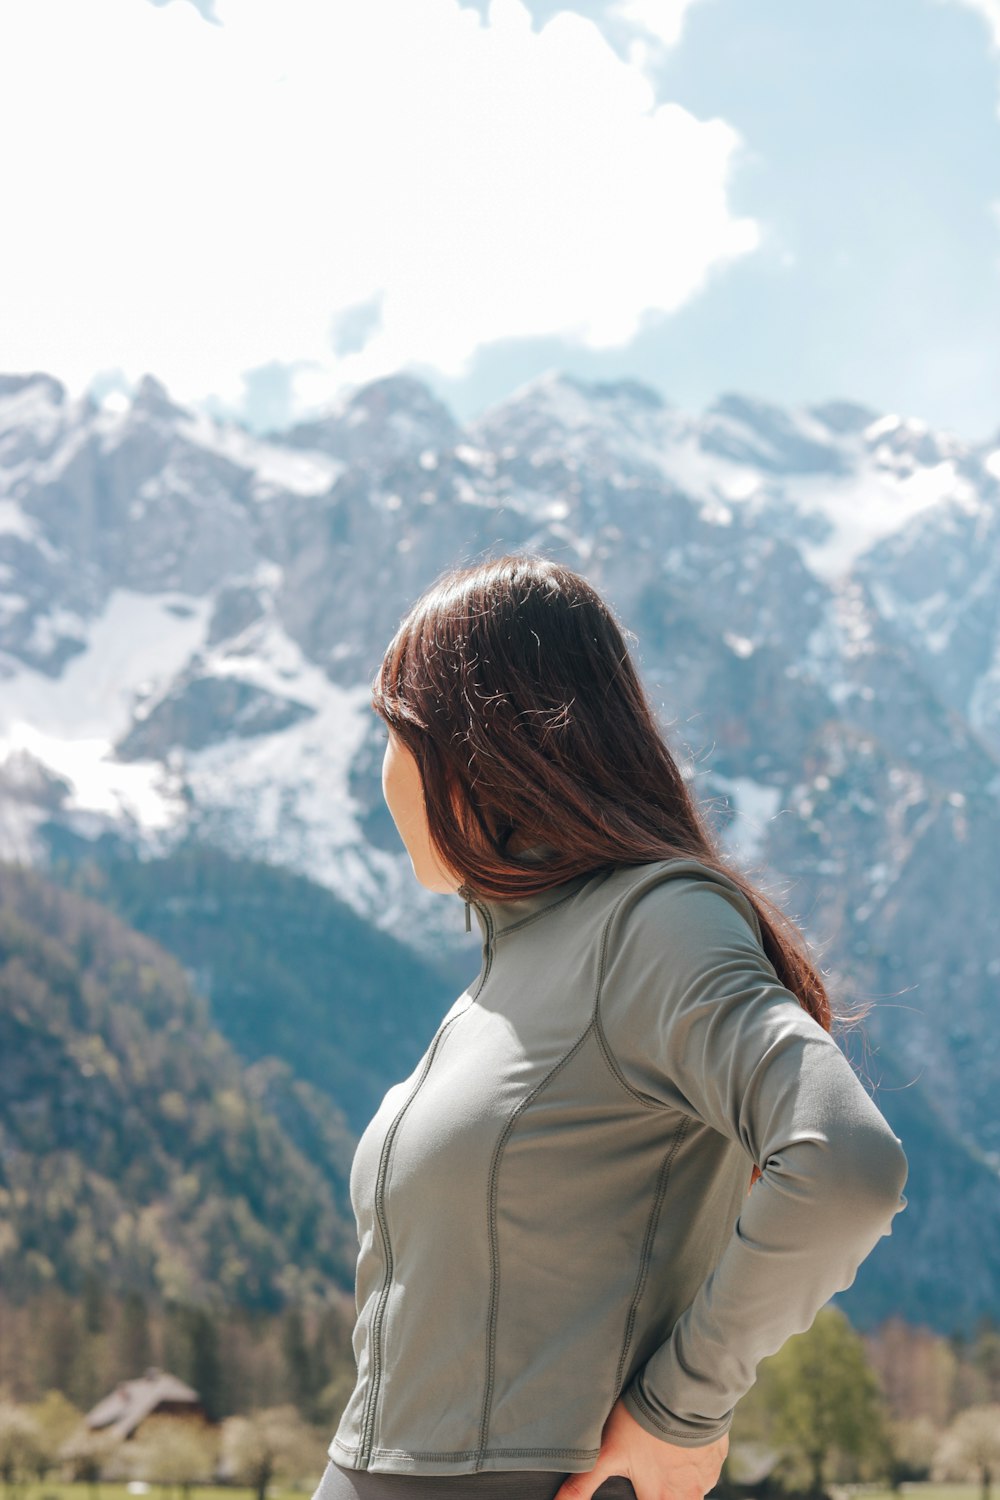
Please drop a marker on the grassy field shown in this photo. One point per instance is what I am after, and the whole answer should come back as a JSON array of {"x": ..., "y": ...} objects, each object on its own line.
[{"x": 922, "y": 1492}]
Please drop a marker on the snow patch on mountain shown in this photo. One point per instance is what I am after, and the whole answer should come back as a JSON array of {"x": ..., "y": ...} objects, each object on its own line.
[
  {"x": 32, "y": 406},
  {"x": 100, "y": 789},
  {"x": 284, "y": 796},
  {"x": 296, "y": 471},
  {"x": 136, "y": 643},
  {"x": 281, "y": 796},
  {"x": 752, "y": 808},
  {"x": 68, "y": 726},
  {"x": 13, "y": 522},
  {"x": 862, "y": 509}
]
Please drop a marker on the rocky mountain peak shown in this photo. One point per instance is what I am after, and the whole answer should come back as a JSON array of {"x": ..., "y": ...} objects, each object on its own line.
[
  {"x": 152, "y": 397},
  {"x": 762, "y": 433},
  {"x": 844, "y": 417},
  {"x": 37, "y": 382},
  {"x": 385, "y": 421}
]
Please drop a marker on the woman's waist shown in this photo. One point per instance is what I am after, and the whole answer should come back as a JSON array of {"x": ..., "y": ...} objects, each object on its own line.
[{"x": 339, "y": 1483}]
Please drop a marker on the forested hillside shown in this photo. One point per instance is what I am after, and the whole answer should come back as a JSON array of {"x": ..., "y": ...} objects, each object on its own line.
[
  {"x": 133, "y": 1145},
  {"x": 289, "y": 970},
  {"x": 327, "y": 1012}
]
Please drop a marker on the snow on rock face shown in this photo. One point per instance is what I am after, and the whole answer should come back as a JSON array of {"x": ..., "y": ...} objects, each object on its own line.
[
  {"x": 752, "y": 807},
  {"x": 150, "y": 717},
  {"x": 32, "y": 418},
  {"x": 138, "y": 639},
  {"x": 936, "y": 583},
  {"x": 765, "y": 435},
  {"x": 275, "y": 468},
  {"x": 14, "y": 522},
  {"x": 29, "y": 400},
  {"x": 67, "y": 726},
  {"x": 860, "y": 509}
]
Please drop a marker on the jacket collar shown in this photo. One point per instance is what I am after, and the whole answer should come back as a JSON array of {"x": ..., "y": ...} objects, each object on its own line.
[{"x": 504, "y": 914}]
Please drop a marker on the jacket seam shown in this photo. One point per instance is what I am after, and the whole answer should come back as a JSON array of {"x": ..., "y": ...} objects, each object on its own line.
[
  {"x": 368, "y": 1415},
  {"x": 466, "y": 1453},
  {"x": 614, "y": 1068},
  {"x": 536, "y": 916},
  {"x": 647, "y": 1246},
  {"x": 494, "y": 1238},
  {"x": 607, "y": 1050}
]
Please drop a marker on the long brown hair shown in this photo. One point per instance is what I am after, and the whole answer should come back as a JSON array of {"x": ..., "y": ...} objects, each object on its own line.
[{"x": 511, "y": 683}]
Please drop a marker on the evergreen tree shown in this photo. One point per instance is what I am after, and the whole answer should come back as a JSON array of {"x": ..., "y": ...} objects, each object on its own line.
[
  {"x": 206, "y": 1370},
  {"x": 135, "y": 1343},
  {"x": 192, "y": 1353},
  {"x": 60, "y": 1361},
  {"x": 986, "y": 1358},
  {"x": 95, "y": 1312},
  {"x": 299, "y": 1361}
]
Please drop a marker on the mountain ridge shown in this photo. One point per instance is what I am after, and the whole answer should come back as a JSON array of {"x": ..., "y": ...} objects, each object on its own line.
[{"x": 190, "y": 617}]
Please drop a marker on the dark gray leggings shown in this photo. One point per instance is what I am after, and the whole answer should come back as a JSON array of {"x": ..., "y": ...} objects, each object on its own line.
[{"x": 505, "y": 1484}]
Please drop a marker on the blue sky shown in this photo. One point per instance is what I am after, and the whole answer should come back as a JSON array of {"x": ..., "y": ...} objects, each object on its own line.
[
  {"x": 798, "y": 202},
  {"x": 873, "y": 158}
]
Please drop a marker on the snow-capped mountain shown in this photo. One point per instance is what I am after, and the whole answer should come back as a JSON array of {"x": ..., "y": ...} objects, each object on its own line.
[{"x": 190, "y": 617}]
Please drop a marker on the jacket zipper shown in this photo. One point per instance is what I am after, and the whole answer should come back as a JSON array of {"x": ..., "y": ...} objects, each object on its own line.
[
  {"x": 488, "y": 945},
  {"x": 368, "y": 1420}
]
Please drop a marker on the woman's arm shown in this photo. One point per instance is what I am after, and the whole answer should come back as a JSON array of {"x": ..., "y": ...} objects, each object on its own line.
[{"x": 696, "y": 1017}]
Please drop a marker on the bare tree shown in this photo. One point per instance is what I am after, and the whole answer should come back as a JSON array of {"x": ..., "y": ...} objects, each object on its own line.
[
  {"x": 914, "y": 1442},
  {"x": 917, "y": 1370},
  {"x": 88, "y": 1454},
  {"x": 174, "y": 1451},
  {"x": 56, "y": 1419},
  {"x": 970, "y": 1449},
  {"x": 20, "y": 1445},
  {"x": 268, "y": 1444}
]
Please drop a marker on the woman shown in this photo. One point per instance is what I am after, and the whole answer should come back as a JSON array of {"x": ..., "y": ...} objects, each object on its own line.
[{"x": 563, "y": 1287}]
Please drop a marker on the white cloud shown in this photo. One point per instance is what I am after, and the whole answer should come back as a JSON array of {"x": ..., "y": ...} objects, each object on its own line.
[
  {"x": 663, "y": 19},
  {"x": 990, "y": 12},
  {"x": 200, "y": 200}
]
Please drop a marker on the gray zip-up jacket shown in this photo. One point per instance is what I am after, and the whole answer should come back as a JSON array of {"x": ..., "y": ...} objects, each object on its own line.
[{"x": 553, "y": 1208}]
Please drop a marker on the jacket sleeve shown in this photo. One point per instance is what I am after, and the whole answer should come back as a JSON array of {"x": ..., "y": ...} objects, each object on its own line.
[{"x": 697, "y": 1019}]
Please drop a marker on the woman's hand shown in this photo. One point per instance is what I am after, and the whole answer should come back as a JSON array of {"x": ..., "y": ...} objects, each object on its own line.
[{"x": 659, "y": 1470}]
